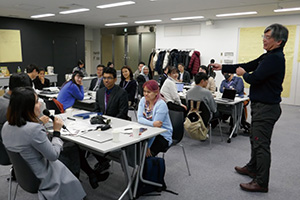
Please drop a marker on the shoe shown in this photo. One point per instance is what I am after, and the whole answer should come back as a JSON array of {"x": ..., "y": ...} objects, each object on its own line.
[
  {"x": 253, "y": 186},
  {"x": 244, "y": 171},
  {"x": 102, "y": 177},
  {"x": 93, "y": 181},
  {"x": 100, "y": 167}
]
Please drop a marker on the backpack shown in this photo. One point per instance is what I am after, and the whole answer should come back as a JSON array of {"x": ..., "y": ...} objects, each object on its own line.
[
  {"x": 194, "y": 124},
  {"x": 154, "y": 170}
]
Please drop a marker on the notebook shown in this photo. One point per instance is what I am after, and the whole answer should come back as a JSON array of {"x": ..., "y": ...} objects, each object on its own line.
[
  {"x": 98, "y": 136},
  {"x": 228, "y": 95},
  {"x": 179, "y": 87}
]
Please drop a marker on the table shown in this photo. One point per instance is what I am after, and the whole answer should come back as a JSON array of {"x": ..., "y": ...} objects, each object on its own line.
[
  {"x": 52, "y": 78},
  {"x": 236, "y": 111},
  {"x": 110, "y": 146},
  {"x": 235, "y": 108}
]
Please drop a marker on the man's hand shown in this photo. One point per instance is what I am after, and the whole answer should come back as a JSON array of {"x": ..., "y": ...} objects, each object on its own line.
[
  {"x": 240, "y": 71},
  {"x": 148, "y": 153},
  {"x": 216, "y": 66}
]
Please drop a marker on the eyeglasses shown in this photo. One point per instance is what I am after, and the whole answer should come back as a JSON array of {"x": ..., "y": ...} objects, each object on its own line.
[
  {"x": 266, "y": 37},
  {"x": 108, "y": 78}
]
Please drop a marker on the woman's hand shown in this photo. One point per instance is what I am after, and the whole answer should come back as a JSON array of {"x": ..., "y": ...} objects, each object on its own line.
[
  {"x": 157, "y": 124},
  {"x": 148, "y": 153},
  {"x": 42, "y": 79},
  {"x": 57, "y": 124},
  {"x": 44, "y": 119}
]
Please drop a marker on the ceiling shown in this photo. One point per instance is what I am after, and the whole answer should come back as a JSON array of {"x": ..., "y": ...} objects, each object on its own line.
[{"x": 142, "y": 10}]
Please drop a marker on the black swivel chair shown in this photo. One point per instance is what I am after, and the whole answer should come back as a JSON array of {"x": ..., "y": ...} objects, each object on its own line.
[
  {"x": 177, "y": 119},
  {"x": 207, "y": 120},
  {"x": 24, "y": 175}
]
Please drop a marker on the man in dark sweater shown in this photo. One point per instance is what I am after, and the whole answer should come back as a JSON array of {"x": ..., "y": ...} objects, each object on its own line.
[{"x": 265, "y": 89}]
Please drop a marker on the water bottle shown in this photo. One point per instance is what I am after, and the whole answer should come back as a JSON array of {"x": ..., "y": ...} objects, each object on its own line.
[{"x": 19, "y": 70}]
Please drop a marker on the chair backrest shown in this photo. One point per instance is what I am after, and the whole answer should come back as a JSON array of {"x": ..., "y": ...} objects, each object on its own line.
[
  {"x": 177, "y": 119},
  {"x": 24, "y": 175},
  {"x": 205, "y": 113},
  {"x": 51, "y": 105},
  {"x": 4, "y": 159}
]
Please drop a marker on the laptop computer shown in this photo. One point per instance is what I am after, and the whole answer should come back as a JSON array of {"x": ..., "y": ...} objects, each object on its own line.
[
  {"x": 179, "y": 87},
  {"x": 98, "y": 136},
  {"x": 228, "y": 95}
]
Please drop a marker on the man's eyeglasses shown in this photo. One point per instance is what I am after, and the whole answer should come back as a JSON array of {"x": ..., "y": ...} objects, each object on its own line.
[
  {"x": 267, "y": 37},
  {"x": 108, "y": 78}
]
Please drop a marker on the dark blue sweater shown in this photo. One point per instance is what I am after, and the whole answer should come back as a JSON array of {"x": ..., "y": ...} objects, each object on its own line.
[{"x": 266, "y": 78}]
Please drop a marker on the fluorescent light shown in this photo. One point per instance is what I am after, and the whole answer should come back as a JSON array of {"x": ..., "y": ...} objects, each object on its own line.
[
  {"x": 236, "y": 14},
  {"x": 74, "y": 11},
  {"x": 287, "y": 9},
  {"x": 116, "y": 24},
  {"x": 186, "y": 18},
  {"x": 42, "y": 15},
  {"x": 147, "y": 21},
  {"x": 124, "y": 3}
]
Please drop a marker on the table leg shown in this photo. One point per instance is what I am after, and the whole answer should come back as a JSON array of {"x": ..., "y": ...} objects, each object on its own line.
[{"x": 124, "y": 163}]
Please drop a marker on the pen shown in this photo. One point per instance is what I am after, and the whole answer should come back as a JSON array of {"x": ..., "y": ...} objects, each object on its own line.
[{"x": 70, "y": 118}]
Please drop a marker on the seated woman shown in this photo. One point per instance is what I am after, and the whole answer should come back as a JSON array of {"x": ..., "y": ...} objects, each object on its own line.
[
  {"x": 142, "y": 78},
  {"x": 211, "y": 85},
  {"x": 23, "y": 133},
  {"x": 128, "y": 83},
  {"x": 170, "y": 93},
  {"x": 71, "y": 90},
  {"x": 41, "y": 82},
  {"x": 153, "y": 111}
]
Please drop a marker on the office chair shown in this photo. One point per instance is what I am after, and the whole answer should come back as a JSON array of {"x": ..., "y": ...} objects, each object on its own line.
[
  {"x": 24, "y": 175},
  {"x": 177, "y": 119},
  {"x": 207, "y": 120}
]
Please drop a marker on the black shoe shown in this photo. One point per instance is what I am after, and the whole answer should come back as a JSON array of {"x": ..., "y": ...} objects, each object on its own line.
[
  {"x": 102, "y": 177},
  {"x": 93, "y": 180},
  {"x": 100, "y": 167}
]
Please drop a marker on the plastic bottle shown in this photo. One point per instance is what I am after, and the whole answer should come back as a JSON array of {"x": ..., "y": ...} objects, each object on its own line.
[{"x": 19, "y": 70}]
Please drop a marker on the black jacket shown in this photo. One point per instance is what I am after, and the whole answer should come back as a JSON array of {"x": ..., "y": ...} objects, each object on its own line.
[
  {"x": 93, "y": 84},
  {"x": 266, "y": 78},
  {"x": 117, "y": 105}
]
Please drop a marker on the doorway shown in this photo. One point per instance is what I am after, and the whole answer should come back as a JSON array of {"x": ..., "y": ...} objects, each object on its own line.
[{"x": 127, "y": 48}]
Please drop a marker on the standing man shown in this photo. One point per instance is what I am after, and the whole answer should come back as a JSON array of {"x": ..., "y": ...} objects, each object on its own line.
[
  {"x": 265, "y": 89},
  {"x": 184, "y": 76}
]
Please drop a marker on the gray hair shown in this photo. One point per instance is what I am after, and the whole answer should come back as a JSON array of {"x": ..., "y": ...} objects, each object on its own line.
[{"x": 279, "y": 33}]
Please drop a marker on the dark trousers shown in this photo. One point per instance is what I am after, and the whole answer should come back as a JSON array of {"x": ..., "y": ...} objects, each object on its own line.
[
  {"x": 264, "y": 117},
  {"x": 160, "y": 144},
  {"x": 176, "y": 107}
]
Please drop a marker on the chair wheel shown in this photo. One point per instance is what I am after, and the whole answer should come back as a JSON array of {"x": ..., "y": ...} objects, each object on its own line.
[{"x": 229, "y": 140}]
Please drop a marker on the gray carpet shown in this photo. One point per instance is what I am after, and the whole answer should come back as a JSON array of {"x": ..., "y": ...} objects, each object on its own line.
[{"x": 213, "y": 176}]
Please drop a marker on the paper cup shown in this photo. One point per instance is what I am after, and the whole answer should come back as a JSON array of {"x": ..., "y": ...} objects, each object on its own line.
[{"x": 116, "y": 135}]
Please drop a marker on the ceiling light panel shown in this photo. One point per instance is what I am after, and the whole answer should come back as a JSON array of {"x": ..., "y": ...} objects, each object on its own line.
[
  {"x": 74, "y": 11},
  {"x": 42, "y": 15},
  {"x": 148, "y": 21},
  {"x": 237, "y": 14},
  {"x": 116, "y": 24},
  {"x": 287, "y": 9},
  {"x": 187, "y": 18},
  {"x": 124, "y": 3}
]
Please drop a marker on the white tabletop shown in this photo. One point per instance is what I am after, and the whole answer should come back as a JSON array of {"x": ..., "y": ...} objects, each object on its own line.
[{"x": 105, "y": 147}]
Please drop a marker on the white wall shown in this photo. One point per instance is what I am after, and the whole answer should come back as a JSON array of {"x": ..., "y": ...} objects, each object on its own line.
[
  {"x": 223, "y": 36},
  {"x": 93, "y": 37}
]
